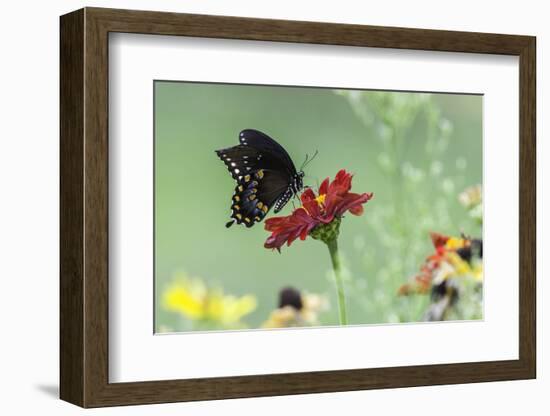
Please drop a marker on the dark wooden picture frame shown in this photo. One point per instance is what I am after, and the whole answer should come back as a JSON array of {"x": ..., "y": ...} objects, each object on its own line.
[{"x": 84, "y": 207}]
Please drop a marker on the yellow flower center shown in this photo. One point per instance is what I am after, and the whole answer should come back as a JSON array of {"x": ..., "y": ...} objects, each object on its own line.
[{"x": 321, "y": 199}]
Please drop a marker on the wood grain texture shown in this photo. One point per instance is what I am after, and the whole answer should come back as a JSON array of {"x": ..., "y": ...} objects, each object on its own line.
[
  {"x": 162, "y": 23},
  {"x": 84, "y": 207},
  {"x": 71, "y": 100},
  {"x": 96, "y": 208},
  {"x": 528, "y": 208}
]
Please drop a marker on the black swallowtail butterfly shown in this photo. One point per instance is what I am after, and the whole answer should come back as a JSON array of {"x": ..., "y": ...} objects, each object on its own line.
[{"x": 265, "y": 175}]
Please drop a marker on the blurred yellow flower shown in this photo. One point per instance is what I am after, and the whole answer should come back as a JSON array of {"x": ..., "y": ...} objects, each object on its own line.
[
  {"x": 461, "y": 267},
  {"x": 454, "y": 257},
  {"x": 228, "y": 309},
  {"x": 283, "y": 317},
  {"x": 477, "y": 271},
  {"x": 296, "y": 309},
  {"x": 192, "y": 298},
  {"x": 454, "y": 243},
  {"x": 454, "y": 272},
  {"x": 471, "y": 199},
  {"x": 471, "y": 196}
]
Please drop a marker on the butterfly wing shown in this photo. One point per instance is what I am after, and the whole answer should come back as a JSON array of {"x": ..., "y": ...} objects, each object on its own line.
[
  {"x": 266, "y": 145},
  {"x": 263, "y": 171}
]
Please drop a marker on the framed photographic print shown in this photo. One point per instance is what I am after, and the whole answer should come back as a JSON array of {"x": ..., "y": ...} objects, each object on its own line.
[{"x": 256, "y": 207}]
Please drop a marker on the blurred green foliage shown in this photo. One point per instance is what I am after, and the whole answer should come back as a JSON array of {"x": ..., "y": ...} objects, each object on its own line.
[{"x": 415, "y": 151}]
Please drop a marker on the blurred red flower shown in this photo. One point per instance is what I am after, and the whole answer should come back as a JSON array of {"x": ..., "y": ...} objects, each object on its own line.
[
  {"x": 450, "y": 253},
  {"x": 332, "y": 202}
]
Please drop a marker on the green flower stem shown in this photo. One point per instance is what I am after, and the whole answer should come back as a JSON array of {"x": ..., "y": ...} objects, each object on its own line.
[{"x": 332, "y": 245}]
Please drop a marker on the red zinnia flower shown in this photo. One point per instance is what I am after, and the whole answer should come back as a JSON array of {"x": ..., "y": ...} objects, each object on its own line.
[{"x": 333, "y": 201}]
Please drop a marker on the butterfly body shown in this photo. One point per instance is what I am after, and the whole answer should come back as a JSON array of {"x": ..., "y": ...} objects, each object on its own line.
[{"x": 265, "y": 177}]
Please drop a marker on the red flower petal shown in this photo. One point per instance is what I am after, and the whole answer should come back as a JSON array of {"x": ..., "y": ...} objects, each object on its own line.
[
  {"x": 312, "y": 208},
  {"x": 357, "y": 210},
  {"x": 314, "y": 211},
  {"x": 438, "y": 240},
  {"x": 342, "y": 182},
  {"x": 323, "y": 189},
  {"x": 287, "y": 229},
  {"x": 307, "y": 195},
  {"x": 353, "y": 203}
]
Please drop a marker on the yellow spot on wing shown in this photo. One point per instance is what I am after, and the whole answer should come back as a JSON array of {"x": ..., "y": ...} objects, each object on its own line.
[
  {"x": 252, "y": 197},
  {"x": 237, "y": 198},
  {"x": 260, "y": 205},
  {"x": 239, "y": 216},
  {"x": 265, "y": 209},
  {"x": 247, "y": 178},
  {"x": 241, "y": 188},
  {"x": 260, "y": 174},
  {"x": 247, "y": 219}
]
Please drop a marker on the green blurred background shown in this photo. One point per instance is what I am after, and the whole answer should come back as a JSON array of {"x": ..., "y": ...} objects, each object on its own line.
[{"x": 416, "y": 152}]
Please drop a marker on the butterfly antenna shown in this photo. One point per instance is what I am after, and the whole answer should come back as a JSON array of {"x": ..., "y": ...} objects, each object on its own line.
[
  {"x": 304, "y": 163},
  {"x": 308, "y": 159}
]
